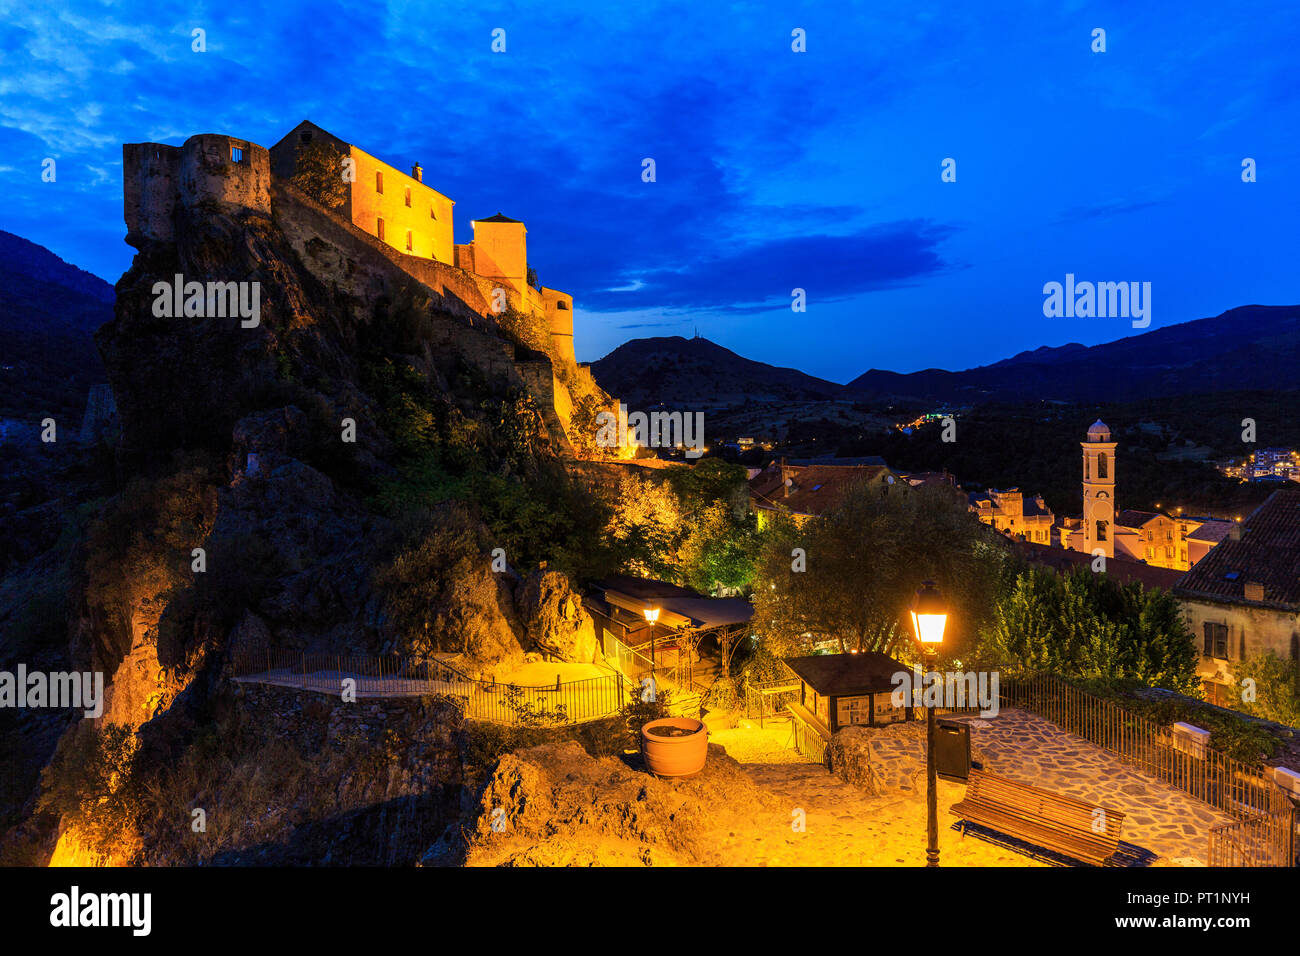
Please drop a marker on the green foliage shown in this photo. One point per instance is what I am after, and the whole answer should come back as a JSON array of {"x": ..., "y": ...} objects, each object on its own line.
[
  {"x": 759, "y": 661},
  {"x": 721, "y": 695},
  {"x": 1087, "y": 625},
  {"x": 693, "y": 528},
  {"x": 644, "y": 705},
  {"x": 865, "y": 561},
  {"x": 1277, "y": 688},
  {"x": 584, "y": 427},
  {"x": 319, "y": 173},
  {"x": 1237, "y": 735},
  {"x": 526, "y": 713},
  {"x": 91, "y": 782}
]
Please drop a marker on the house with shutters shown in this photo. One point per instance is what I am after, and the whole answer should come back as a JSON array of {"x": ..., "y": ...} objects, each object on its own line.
[{"x": 1243, "y": 598}]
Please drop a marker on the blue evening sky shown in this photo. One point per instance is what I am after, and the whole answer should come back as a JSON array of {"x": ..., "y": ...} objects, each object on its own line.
[{"x": 775, "y": 169}]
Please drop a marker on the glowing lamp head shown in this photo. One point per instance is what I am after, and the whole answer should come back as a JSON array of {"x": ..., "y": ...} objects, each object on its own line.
[
  {"x": 651, "y": 614},
  {"x": 929, "y": 616}
]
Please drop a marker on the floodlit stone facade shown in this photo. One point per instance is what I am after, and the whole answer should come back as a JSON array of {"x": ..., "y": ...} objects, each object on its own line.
[{"x": 490, "y": 274}]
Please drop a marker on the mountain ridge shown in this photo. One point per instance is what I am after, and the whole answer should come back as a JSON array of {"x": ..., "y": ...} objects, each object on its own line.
[{"x": 1250, "y": 346}]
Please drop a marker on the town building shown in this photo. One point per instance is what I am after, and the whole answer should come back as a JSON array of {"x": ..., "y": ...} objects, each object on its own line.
[
  {"x": 1175, "y": 542},
  {"x": 808, "y": 491},
  {"x": 1014, "y": 514},
  {"x": 1098, "y": 490},
  {"x": 1243, "y": 598}
]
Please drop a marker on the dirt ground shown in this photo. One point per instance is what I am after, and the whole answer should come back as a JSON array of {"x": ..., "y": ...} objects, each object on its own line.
[{"x": 843, "y": 826}]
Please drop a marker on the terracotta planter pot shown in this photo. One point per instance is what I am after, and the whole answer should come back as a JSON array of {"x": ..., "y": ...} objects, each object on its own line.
[{"x": 675, "y": 756}]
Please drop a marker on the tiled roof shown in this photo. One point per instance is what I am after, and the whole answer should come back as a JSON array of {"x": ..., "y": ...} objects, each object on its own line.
[
  {"x": 1212, "y": 531},
  {"x": 1267, "y": 554},
  {"x": 498, "y": 218},
  {"x": 1123, "y": 570},
  {"x": 815, "y": 490},
  {"x": 1129, "y": 518},
  {"x": 838, "y": 675}
]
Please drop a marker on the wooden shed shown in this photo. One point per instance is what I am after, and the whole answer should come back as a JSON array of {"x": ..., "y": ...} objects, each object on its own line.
[{"x": 840, "y": 690}]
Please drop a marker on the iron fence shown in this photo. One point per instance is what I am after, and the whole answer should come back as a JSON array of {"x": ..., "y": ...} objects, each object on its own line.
[
  {"x": 1264, "y": 822},
  {"x": 393, "y": 675}
]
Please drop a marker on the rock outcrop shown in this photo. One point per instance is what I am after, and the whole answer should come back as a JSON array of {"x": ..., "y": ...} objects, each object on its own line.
[
  {"x": 555, "y": 805},
  {"x": 556, "y": 622}
]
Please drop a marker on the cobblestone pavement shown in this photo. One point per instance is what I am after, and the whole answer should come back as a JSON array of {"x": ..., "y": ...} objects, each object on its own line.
[{"x": 846, "y": 826}]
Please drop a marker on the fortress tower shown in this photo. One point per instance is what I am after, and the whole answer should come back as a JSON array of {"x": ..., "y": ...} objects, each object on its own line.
[
  {"x": 1099, "y": 490},
  {"x": 231, "y": 174}
]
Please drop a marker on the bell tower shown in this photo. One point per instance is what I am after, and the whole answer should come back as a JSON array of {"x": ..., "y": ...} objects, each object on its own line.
[{"x": 1099, "y": 490}]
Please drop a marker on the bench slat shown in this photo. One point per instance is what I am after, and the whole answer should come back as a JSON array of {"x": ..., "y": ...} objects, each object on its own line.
[{"x": 1051, "y": 820}]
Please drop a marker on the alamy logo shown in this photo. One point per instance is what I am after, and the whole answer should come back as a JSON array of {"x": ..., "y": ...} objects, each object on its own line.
[
  {"x": 652, "y": 430},
  {"x": 1104, "y": 300},
  {"x": 215, "y": 300},
  {"x": 954, "y": 690},
  {"x": 83, "y": 691},
  {"x": 74, "y": 908}
]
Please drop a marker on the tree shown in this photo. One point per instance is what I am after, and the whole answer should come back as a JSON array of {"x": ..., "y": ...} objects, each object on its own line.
[
  {"x": 1276, "y": 686},
  {"x": 1088, "y": 625},
  {"x": 864, "y": 561},
  {"x": 645, "y": 526},
  {"x": 319, "y": 173}
]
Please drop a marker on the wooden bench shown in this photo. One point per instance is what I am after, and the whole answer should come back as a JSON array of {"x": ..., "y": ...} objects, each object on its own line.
[{"x": 1073, "y": 827}]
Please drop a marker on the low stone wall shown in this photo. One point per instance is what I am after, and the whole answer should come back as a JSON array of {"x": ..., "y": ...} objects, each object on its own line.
[{"x": 882, "y": 760}]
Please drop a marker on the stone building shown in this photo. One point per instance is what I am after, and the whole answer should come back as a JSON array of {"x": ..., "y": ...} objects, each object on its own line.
[
  {"x": 412, "y": 217},
  {"x": 1243, "y": 597},
  {"x": 1175, "y": 542},
  {"x": 1014, "y": 514},
  {"x": 1098, "y": 490},
  {"x": 412, "y": 222},
  {"x": 808, "y": 491}
]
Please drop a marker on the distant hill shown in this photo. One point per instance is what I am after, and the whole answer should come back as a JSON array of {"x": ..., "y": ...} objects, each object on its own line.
[
  {"x": 698, "y": 373},
  {"x": 1251, "y": 347},
  {"x": 49, "y": 311}
]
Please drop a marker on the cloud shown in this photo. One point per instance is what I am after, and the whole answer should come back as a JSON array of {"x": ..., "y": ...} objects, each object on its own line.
[{"x": 762, "y": 275}]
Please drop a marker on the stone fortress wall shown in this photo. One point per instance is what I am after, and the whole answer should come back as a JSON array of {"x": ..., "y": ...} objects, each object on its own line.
[{"x": 235, "y": 176}]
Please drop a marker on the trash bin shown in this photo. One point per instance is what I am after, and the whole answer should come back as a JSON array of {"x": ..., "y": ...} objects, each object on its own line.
[{"x": 952, "y": 750}]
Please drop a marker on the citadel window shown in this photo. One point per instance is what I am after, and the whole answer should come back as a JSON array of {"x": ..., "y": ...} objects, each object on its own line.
[
  {"x": 379, "y": 181},
  {"x": 408, "y": 195},
  {"x": 380, "y": 231},
  {"x": 236, "y": 154},
  {"x": 409, "y": 244},
  {"x": 432, "y": 214}
]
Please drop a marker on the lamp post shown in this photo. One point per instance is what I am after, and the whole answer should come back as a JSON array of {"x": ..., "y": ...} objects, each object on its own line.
[
  {"x": 929, "y": 615},
  {"x": 651, "y": 615}
]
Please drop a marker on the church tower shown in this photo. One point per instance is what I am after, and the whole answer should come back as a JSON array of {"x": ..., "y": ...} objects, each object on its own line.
[{"x": 1099, "y": 490}]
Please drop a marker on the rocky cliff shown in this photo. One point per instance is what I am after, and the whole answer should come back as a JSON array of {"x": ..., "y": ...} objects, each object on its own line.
[{"x": 303, "y": 477}]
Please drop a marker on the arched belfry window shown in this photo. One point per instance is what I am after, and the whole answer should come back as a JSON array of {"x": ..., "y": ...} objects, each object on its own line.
[
  {"x": 1101, "y": 531},
  {"x": 1087, "y": 471},
  {"x": 1101, "y": 465}
]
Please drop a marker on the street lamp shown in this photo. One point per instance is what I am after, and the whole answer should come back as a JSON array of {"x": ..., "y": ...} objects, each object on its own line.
[
  {"x": 651, "y": 615},
  {"x": 929, "y": 615}
]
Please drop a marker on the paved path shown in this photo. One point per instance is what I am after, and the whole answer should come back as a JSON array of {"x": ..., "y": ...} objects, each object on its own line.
[
  {"x": 848, "y": 826},
  {"x": 586, "y": 699}
]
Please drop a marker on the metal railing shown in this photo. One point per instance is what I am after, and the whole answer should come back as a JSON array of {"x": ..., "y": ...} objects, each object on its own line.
[
  {"x": 766, "y": 700},
  {"x": 1265, "y": 817},
  {"x": 1263, "y": 840},
  {"x": 393, "y": 675},
  {"x": 809, "y": 740}
]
